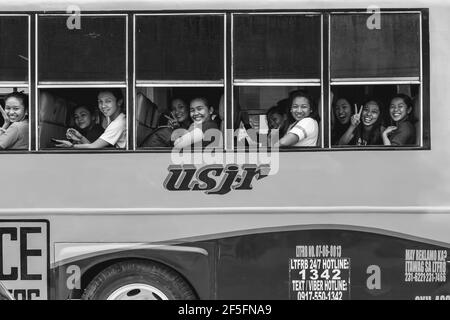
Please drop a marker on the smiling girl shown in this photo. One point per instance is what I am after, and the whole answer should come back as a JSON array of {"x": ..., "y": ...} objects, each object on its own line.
[
  {"x": 179, "y": 118},
  {"x": 200, "y": 112},
  {"x": 403, "y": 132},
  {"x": 342, "y": 110},
  {"x": 365, "y": 127},
  {"x": 304, "y": 128},
  {"x": 277, "y": 121},
  {"x": 110, "y": 102},
  {"x": 14, "y": 132},
  {"x": 86, "y": 130}
]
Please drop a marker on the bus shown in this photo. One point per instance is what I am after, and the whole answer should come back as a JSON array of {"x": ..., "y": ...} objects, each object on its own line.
[{"x": 347, "y": 196}]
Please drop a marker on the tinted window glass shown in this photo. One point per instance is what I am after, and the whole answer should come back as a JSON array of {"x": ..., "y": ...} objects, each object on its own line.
[
  {"x": 179, "y": 47},
  {"x": 95, "y": 52},
  {"x": 14, "y": 48},
  {"x": 277, "y": 46},
  {"x": 360, "y": 52}
]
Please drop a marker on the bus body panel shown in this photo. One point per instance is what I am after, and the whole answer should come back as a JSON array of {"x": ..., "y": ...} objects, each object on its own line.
[
  {"x": 253, "y": 238},
  {"x": 397, "y": 179},
  {"x": 330, "y": 264}
]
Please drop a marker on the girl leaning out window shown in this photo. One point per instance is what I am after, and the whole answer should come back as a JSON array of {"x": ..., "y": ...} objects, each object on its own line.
[
  {"x": 303, "y": 130},
  {"x": 403, "y": 131},
  {"x": 14, "y": 132}
]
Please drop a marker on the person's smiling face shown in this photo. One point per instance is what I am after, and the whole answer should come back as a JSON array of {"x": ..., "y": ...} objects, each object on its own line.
[
  {"x": 199, "y": 111},
  {"x": 15, "y": 110},
  {"x": 108, "y": 104},
  {"x": 82, "y": 117},
  {"x": 398, "y": 109},
  {"x": 300, "y": 108},
  {"x": 180, "y": 110},
  {"x": 370, "y": 113},
  {"x": 343, "y": 111},
  {"x": 276, "y": 120}
]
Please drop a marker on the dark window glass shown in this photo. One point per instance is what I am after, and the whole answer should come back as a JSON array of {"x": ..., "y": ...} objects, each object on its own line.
[
  {"x": 277, "y": 46},
  {"x": 13, "y": 48},
  {"x": 360, "y": 52},
  {"x": 95, "y": 52},
  {"x": 179, "y": 47}
]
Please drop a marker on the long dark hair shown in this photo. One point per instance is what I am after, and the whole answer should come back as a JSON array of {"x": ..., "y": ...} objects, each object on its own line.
[
  {"x": 282, "y": 112},
  {"x": 338, "y": 129},
  {"x": 334, "y": 104},
  {"x": 302, "y": 94},
  {"x": 117, "y": 93},
  {"x": 409, "y": 103},
  {"x": 374, "y": 137},
  {"x": 188, "y": 120},
  {"x": 19, "y": 96},
  {"x": 92, "y": 114}
]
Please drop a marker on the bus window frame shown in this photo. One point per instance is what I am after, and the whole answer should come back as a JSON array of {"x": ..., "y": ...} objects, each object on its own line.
[
  {"x": 39, "y": 85},
  {"x": 178, "y": 83},
  {"x": 228, "y": 84},
  {"x": 23, "y": 84},
  {"x": 421, "y": 81},
  {"x": 292, "y": 82}
]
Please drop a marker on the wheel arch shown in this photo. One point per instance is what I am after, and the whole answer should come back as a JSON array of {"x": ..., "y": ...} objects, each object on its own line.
[{"x": 98, "y": 266}]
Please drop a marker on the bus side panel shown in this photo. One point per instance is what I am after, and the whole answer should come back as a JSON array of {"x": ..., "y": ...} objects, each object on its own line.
[{"x": 332, "y": 265}]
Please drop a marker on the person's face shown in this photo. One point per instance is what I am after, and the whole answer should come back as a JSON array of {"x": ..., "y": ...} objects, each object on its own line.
[
  {"x": 15, "y": 110},
  {"x": 398, "y": 109},
  {"x": 343, "y": 111},
  {"x": 82, "y": 118},
  {"x": 370, "y": 113},
  {"x": 180, "y": 110},
  {"x": 276, "y": 120},
  {"x": 108, "y": 104},
  {"x": 199, "y": 112},
  {"x": 300, "y": 108}
]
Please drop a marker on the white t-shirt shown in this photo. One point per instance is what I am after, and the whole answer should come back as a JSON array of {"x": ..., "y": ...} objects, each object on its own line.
[
  {"x": 307, "y": 131},
  {"x": 116, "y": 132}
]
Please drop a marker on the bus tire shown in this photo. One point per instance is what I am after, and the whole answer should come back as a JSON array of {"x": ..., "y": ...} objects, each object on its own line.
[{"x": 137, "y": 280}]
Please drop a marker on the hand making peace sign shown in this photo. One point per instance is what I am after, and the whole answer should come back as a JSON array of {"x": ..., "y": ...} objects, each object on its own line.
[
  {"x": 172, "y": 121},
  {"x": 356, "y": 118}
]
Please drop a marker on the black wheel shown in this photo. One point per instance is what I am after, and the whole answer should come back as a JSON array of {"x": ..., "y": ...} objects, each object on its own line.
[{"x": 137, "y": 280}]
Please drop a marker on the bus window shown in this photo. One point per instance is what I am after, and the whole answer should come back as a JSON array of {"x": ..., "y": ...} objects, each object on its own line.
[
  {"x": 263, "y": 111},
  {"x": 82, "y": 118},
  {"x": 277, "y": 46},
  {"x": 162, "y": 110},
  {"x": 361, "y": 114},
  {"x": 378, "y": 68},
  {"x": 15, "y": 83},
  {"x": 179, "y": 47},
  {"x": 179, "y": 57},
  {"x": 274, "y": 55},
  {"x": 95, "y": 52},
  {"x": 392, "y": 50},
  {"x": 14, "y": 48}
]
